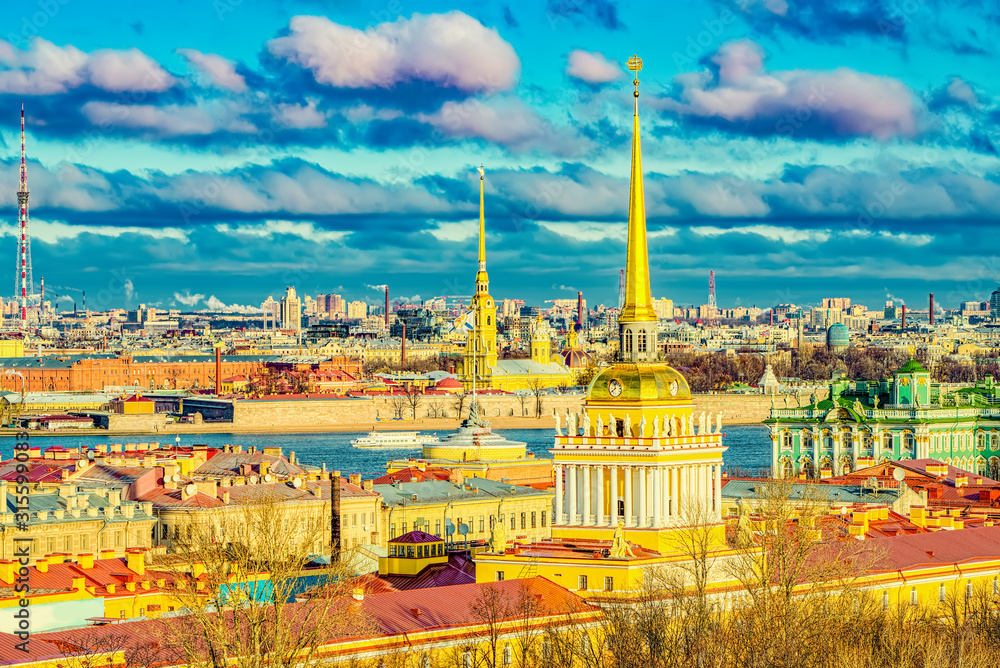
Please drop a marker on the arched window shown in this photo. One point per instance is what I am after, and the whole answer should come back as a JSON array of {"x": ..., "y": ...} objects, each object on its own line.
[
  {"x": 807, "y": 440},
  {"x": 887, "y": 441},
  {"x": 980, "y": 441},
  {"x": 848, "y": 442},
  {"x": 908, "y": 442},
  {"x": 487, "y": 321},
  {"x": 786, "y": 469},
  {"x": 786, "y": 440},
  {"x": 642, "y": 342},
  {"x": 994, "y": 442},
  {"x": 628, "y": 340},
  {"x": 994, "y": 467}
]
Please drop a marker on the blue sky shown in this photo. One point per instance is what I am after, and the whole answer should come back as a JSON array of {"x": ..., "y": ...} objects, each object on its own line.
[{"x": 204, "y": 152}]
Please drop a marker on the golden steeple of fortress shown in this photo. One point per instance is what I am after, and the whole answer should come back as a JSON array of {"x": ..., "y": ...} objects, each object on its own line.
[{"x": 482, "y": 278}]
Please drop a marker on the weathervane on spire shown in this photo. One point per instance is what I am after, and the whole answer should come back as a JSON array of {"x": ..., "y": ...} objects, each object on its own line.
[
  {"x": 635, "y": 64},
  {"x": 482, "y": 174}
]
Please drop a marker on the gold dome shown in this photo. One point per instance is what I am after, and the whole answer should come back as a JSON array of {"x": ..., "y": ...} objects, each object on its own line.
[{"x": 639, "y": 382}]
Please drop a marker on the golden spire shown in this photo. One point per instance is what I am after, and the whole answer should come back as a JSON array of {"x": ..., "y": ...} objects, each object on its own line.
[
  {"x": 638, "y": 306},
  {"x": 482, "y": 223},
  {"x": 482, "y": 278}
]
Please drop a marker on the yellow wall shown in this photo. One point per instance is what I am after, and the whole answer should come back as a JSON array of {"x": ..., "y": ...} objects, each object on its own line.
[{"x": 477, "y": 513}]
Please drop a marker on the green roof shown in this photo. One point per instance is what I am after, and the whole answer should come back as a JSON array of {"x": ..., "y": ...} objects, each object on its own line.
[{"x": 913, "y": 366}]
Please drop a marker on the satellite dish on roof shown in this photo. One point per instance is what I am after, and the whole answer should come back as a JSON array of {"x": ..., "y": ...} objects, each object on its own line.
[
  {"x": 82, "y": 463},
  {"x": 253, "y": 480},
  {"x": 90, "y": 454},
  {"x": 449, "y": 527},
  {"x": 898, "y": 474},
  {"x": 191, "y": 490},
  {"x": 296, "y": 482},
  {"x": 175, "y": 477},
  {"x": 463, "y": 529},
  {"x": 267, "y": 477}
]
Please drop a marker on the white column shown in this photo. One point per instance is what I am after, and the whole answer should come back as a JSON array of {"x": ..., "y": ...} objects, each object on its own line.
[
  {"x": 627, "y": 470},
  {"x": 664, "y": 495},
  {"x": 599, "y": 510},
  {"x": 675, "y": 497},
  {"x": 685, "y": 489},
  {"x": 571, "y": 492},
  {"x": 657, "y": 497},
  {"x": 718, "y": 492},
  {"x": 642, "y": 496},
  {"x": 586, "y": 495},
  {"x": 613, "y": 504},
  {"x": 709, "y": 488},
  {"x": 559, "y": 493}
]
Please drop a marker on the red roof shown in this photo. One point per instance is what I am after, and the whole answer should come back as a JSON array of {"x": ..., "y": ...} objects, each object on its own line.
[
  {"x": 411, "y": 472},
  {"x": 445, "y": 383},
  {"x": 940, "y": 547},
  {"x": 416, "y": 536}
]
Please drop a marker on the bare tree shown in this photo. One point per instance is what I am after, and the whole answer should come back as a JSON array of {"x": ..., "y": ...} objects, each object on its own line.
[
  {"x": 244, "y": 592},
  {"x": 537, "y": 390},
  {"x": 459, "y": 402},
  {"x": 413, "y": 399},
  {"x": 523, "y": 400},
  {"x": 398, "y": 403}
]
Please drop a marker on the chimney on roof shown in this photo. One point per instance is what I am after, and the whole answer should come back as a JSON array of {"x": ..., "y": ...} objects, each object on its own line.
[
  {"x": 415, "y": 612},
  {"x": 358, "y": 594},
  {"x": 368, "y": 485},
  {"x": 42, "y": 565},
  {"x": 136, "y": 560},
  {"x": 291, "y": 457},
  {"x": 7, "y": 571},
  {"x": 85, "y": 560},
  {"x": 355, "y": 479}
]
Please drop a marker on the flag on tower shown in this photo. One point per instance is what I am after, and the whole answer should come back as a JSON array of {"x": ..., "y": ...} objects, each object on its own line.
[{"x": 463, "y": 322}]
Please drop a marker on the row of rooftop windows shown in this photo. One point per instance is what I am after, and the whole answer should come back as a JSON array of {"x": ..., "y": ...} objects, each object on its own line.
[{"x": 530, "y": 519}]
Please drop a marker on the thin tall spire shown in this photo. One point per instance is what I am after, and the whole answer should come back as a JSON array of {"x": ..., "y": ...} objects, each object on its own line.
[
  {"x": 482, "y": 278},
  {"x": 24, "y": 244},
  {"x": 482, "y": 222},
  {"x": 638, "y": 305}
]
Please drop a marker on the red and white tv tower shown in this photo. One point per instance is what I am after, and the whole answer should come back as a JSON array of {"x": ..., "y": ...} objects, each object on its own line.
[
  {"x": 24, "y": 245},
  {"x": 713, "y": 307}
]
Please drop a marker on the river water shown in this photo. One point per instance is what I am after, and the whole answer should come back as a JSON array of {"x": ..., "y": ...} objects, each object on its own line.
[{"x": 749, "y": 447}]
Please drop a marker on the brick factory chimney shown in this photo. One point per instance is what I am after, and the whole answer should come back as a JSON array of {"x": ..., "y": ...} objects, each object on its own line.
[
  {"x": 335, "y": 528},
  {"x": 387, "y": 307},
  {"x": 930, "y": 310},
  {"x": 402, "y": 349},
  {"x": 579, "y": 307},
  {"x": 218, "y": 370},
  {"x": 902, "y": 327}
]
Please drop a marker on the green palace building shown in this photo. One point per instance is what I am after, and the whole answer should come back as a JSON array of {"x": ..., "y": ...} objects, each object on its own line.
[{"x": 862, "y": 423}]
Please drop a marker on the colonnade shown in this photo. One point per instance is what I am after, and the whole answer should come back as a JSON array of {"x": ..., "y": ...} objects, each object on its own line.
[{"x": 643, "y": 495}]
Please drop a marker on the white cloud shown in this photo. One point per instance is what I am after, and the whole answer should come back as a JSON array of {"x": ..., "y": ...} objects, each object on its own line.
[
  {"x": 220, "y": 71},
  {"x": 45, "y": 69},
  {"x": 454, "y": 232},
  {"x": 841, "y": 101},
  {"x": 505, "y": 121},
  {"x": 213, "y": 303},
  {"x": 55, "y": 232},
  {"x": 592, "y": 67},
  {"x": 271, "y": 228},
  {"x": 587, "y": 232},
  {"x": 188, "y": 299},
  {"x": 450, "y": 49},
  {"x": 301, "y": 117},
  {"x": 170, "y": 120}
]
